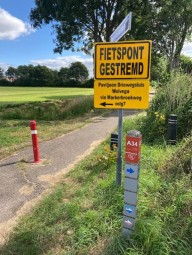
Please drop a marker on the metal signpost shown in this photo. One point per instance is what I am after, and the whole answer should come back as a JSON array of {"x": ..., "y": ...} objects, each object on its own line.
[
  {"x": 120, "y": 31},
  {"x": 132, "y": 158},
  {"x": 121, "y": 81},
  {"x": 122, "y": 72}
]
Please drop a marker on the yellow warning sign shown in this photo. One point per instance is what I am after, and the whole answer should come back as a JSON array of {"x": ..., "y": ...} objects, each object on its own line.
[
  {"x": 123, "y": 60},
  {"x": 121, "y": 94}
]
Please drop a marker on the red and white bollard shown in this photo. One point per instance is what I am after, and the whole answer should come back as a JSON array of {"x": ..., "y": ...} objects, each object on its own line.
[{"x": 35, "y": 141}]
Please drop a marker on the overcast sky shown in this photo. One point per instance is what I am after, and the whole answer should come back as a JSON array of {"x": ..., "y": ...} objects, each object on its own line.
[{"x": 20, "y": 44}]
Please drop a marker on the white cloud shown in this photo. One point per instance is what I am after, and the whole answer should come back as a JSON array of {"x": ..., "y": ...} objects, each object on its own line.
[
  {"x": 187, "y": 49},
  {"x": 59, "y": 62},
  {"x": 4, "y": 66},
  {"x": 12, "y": 27}
]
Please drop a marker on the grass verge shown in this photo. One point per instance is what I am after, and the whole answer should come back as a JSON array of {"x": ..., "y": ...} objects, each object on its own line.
[
  {"x": 84, "y": 213},
  {"x": 54, "y": 118}
]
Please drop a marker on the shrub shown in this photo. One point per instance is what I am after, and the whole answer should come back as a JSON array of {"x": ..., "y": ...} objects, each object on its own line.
[
  {"x": 174, "y": 98},
  {"x": 88, "y": 84},
  {"x": 4, "y": 83},
  {"x": 159, "y": 74},
  {"x": 186, "y": 64}
]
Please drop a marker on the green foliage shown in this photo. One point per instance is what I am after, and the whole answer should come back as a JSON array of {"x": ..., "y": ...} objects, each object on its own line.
[
  {"x": 11, "y": 71},
  {"x": 4, "y": 82},
  {"x": 174, "y": 98},
  {"x": 77, "y": 21},
  {"x": 180, "y": 162},
  {"x": 63, "y": 73},
  {"x": 42, "y": 76},
  {"x": 167, "y": 23},
  {"x": 50, "y": 110},
  {"x": 88, "y": 83},
  {"x": 83, "y": 215},
  {"x": 78, "y": 72},
  {"x": 1, "y": 73},
  {"x": 159, "y": 73},
  {"x": 108, "y": 158},
  {"x": 186, "y": 64}
]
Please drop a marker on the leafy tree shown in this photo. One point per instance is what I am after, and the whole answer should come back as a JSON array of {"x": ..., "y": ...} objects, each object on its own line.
[
  {"x": 78, "y": 72},
  {"x": 167, "y": 22},
  {"x": 23, "y": 71},
  {"x": 63, "y": 74},
  {"x": 186, "y": 64},
  {"x": 11, "y": 71},
  {"x": 1, "y": 73},
  {"x": 35, "y": 76},
  {"x": 79, "y": 21},
  {"x": 159, "y": 73},
  {"x": 174, "y": 20},
  {"x": 41, "y": 76}
]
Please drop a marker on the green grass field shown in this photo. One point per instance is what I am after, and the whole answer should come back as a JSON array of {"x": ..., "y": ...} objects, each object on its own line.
[{"x": 12, "y": 95}]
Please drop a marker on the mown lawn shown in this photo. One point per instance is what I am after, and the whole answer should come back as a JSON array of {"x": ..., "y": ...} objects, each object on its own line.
[{"x": 11, "y": 95}]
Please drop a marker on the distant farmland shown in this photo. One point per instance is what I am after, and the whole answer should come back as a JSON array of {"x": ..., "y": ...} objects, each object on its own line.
[{"x": 12, "y": 95}]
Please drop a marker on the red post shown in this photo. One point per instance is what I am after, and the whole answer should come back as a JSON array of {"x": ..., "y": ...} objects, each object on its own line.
[{"x": 35, "y": 141}]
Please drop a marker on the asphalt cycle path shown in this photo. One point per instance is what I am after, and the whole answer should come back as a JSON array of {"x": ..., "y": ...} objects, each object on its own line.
[{"x": 23, "y": 184}]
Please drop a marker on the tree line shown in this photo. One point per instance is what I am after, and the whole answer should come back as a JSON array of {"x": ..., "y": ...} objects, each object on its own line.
[
  {"x": 76, "y": 75},
  {"x": 168, "y": 23}
]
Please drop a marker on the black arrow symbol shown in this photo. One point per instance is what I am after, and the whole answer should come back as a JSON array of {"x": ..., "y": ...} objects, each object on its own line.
[{"x": 104, "y": 104}]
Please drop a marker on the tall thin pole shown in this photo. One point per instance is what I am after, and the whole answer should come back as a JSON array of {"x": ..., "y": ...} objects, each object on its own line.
[{"x": 119, "y": 155}]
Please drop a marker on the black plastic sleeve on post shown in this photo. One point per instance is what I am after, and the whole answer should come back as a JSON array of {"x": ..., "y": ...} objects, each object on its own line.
[
  {"x": 114, "y": 140},
  {"x": 172, "y": 129}
]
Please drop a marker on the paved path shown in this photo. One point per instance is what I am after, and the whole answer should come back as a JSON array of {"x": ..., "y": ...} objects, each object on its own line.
[{"x": 23, "y": 184}]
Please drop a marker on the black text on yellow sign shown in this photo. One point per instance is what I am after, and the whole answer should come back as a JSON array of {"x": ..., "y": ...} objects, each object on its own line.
[
  {"x": 123, "y": 60},
  {"x": 121, "y": 94}
]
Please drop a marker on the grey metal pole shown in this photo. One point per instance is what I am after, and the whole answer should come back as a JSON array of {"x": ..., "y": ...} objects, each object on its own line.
[{"x": 119, "y": 155}]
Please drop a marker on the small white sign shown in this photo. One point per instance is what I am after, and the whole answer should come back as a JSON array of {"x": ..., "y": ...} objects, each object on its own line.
[
  {"x": 128, "y": 222},
  {"x": 122, "y": 28}
]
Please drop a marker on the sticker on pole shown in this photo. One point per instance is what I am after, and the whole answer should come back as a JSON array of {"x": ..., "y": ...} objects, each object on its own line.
[{"x": 133, "y": 144}]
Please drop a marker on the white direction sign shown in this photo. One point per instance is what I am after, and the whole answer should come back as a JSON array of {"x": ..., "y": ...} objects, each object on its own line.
[
  {"x": 130, "y": 210},
  {"x": 132, "y": 171},
  {"x": 122, "y": 28},
  {"x": 128, "y": 222}
]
